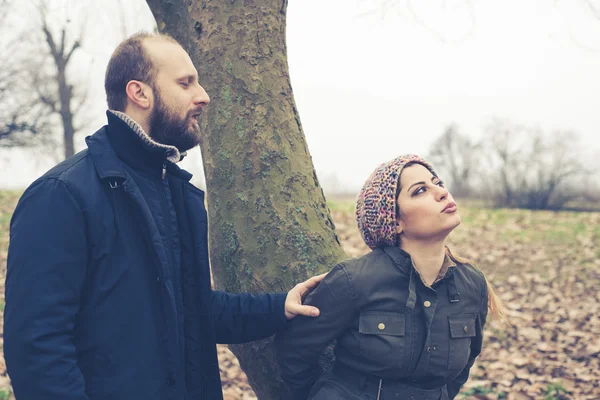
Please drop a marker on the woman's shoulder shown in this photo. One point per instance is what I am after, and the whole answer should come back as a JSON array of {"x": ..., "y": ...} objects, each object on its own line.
[
  {"x": 364, "y": 264},
  {"x": 467, "y": 267},
  {"x": 370, "y": 270}
]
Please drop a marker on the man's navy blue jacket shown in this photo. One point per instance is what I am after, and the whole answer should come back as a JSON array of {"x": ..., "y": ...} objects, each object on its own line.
[{"x": 108, "y": 287}]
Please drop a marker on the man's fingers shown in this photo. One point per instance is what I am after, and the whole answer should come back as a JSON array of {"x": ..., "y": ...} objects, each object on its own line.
[
  {"x": 314, "y": 281},
  {"x": 308, "y": 311},
  {"x": 310, "y": 284},
  {"x": 293, "y": 303}
]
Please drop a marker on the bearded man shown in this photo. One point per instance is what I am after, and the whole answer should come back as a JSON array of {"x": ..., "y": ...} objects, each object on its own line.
[{"x": 108, "y": 290}]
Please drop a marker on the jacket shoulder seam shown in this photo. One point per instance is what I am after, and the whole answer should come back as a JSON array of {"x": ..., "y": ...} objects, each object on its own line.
[
  {"x": 349, "y": 279},
  {"x": 67, "y": 188}
]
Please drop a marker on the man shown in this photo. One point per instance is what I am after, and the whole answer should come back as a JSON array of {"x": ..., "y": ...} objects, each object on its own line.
[{"x": 108, "y": 288}]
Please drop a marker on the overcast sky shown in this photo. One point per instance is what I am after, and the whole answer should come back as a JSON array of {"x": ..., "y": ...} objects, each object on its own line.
[{"x": 371, "y": 85}]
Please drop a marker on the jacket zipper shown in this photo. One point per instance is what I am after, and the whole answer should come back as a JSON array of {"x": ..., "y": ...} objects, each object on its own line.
[
  {"x": 161, "y": 272},
  {"x": 174, "y": 270},
  {"x": 161, "y": 275}
]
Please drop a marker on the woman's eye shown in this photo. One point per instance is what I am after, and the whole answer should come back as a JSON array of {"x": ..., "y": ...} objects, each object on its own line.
[
  {"x": 184, "y": 84},
  {"x": 440, "y": 183},
  {"x": 419, "y": 190}
]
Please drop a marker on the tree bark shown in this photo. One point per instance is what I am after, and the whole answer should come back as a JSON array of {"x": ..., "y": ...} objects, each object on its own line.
[{"x": 269, "y": 222}]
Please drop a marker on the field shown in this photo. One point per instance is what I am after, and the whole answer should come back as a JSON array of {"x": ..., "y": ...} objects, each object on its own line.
[{"x": 546, "y": 268}]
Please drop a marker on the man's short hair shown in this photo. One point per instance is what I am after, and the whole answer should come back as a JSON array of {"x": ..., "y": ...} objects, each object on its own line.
[{"x": 129, "y": 62}]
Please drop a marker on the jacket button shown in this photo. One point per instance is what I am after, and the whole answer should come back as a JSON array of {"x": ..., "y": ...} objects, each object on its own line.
[
  {"x": 381, "y": 326},
  {"x": 172, "y": 379},
  {"x": 427, "y": 303},
  {"x": 466, "y": 329}
]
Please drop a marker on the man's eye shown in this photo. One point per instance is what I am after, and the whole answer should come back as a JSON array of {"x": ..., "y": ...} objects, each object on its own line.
[{"x": 184, "y": 84}]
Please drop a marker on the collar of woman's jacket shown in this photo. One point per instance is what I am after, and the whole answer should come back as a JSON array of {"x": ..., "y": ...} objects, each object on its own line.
[
  {"x": 404, "y": 262},
  {"x": 138, "y": 150}
]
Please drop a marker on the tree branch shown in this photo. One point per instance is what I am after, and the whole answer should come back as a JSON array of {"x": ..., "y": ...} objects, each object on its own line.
[
  {"x": 76, "y": 45},
  {"x": 63, "y": 36}
]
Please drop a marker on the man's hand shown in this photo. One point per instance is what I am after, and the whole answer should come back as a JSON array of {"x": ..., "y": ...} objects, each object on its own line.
[{"x": 293, "y": 301}]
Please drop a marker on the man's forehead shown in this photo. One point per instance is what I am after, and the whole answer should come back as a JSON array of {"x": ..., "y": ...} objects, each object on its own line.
[{"x": 166, "y": 54}]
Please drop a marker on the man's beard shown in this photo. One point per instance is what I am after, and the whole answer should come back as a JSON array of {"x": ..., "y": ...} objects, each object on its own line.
[{"x": 166, "y": 127}]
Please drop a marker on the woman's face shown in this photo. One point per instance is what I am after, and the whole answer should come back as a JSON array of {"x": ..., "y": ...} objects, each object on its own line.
[{"x": 427, "y": 210}]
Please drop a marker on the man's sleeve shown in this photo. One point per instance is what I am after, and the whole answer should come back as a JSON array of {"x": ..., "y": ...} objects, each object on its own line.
[
  {"x": 302, "y": 342},
  {"x": 46, "y": 266},
  {"x": 476, "y": 344},
  {"x": 243, "y": 317}
]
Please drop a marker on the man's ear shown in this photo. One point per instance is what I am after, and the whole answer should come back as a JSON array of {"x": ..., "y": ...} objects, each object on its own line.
[{"x": 139, "y": 94}]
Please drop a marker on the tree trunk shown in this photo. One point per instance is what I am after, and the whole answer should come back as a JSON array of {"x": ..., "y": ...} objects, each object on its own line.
[
  {"x": 61, "y": 55},
  {"x": 65, "y": 95},
  {"x": 269, "y": 223}
]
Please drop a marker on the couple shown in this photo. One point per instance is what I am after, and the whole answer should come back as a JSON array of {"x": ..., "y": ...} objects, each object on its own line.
[{"x": 108, "y": 288}]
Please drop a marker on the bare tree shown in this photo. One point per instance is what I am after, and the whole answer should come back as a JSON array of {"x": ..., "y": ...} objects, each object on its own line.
[
  {"x": 38, "y": 85},
  {"x": 23, "y": 120},
  {"x": 461, "y": 13},
  {"x": 59, "y": 94},
  {"x": 532, "y": 169},
  {"x": 456, "y": 157},
  {"x": 501, "y": 141}
]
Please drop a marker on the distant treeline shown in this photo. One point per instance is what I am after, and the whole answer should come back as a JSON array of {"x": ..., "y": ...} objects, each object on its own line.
[{"x": 519, "y": 166}]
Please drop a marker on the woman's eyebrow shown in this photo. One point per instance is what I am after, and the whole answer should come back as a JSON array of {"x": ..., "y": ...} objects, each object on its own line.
[{"x": 422, "y": 182}]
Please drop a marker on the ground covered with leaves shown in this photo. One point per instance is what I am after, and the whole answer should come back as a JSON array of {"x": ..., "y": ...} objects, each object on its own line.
[{"x": 546, "y": 269}]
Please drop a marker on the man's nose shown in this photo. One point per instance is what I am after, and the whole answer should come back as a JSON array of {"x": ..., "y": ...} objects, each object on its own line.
[{"x": 201, "y": 97}]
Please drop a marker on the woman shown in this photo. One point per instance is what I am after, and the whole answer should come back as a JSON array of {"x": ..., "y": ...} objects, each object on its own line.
[{"x": 408, "y": 316}]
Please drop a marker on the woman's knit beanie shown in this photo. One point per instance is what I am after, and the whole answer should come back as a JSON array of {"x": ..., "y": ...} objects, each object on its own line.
[{"x": 376, "y": 202}]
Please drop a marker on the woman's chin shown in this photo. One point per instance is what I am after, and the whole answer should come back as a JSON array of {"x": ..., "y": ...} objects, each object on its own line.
[{"x": 453, "y": 224}]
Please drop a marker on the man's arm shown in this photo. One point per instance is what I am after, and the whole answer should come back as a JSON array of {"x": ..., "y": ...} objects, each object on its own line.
[
  {"x": 244, "y": 317},
  {"x": 46, "y": 267}
]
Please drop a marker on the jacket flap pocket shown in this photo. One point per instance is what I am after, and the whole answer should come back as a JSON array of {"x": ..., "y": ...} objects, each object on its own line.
[
  {"x": 381, "y": 323},
  {"x": 462, "y": 326}
]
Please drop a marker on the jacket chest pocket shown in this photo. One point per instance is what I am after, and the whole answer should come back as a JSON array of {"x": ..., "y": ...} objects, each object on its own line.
[
  {"x": 382, "y": 337},
  {"x": 462, "y": 330}
]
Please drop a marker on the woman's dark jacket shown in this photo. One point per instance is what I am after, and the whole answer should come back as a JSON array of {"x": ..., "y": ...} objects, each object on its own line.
[
  {"x": 108, "y": 290},
  {"x": 389, "y": 324}
]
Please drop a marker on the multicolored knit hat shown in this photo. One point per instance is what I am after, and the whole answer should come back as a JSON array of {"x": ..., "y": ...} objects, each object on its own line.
[{"x": 376, "y": 202}]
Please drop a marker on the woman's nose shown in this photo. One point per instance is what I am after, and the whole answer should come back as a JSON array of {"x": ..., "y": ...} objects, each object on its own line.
[{"x": 442, "y": 193}]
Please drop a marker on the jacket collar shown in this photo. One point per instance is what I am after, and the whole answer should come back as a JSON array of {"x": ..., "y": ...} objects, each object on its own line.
[
  {"x": 124, "y": 141},
  {"x": 403, "y": 261},
  {"x": 400, "y": 257},
  {"x": 127, "y": 145}
]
